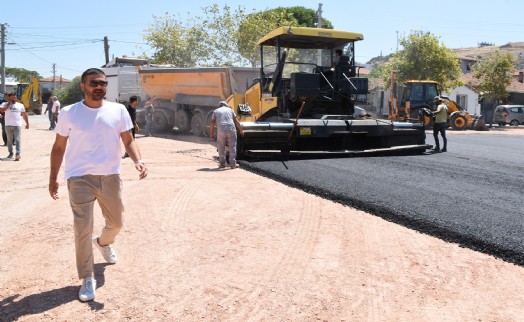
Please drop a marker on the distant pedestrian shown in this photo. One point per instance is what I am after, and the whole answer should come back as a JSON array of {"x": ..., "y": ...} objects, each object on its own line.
[
  {"x": 226, "y": 122},
  {"x": 50, "y": 115},
  {"x": 131, "y": 109},
  {"x": 149, "y": 111},
  {"x": 56, "y": 108},
  {"x": 440, "y": 124},
  {"x": 90, "y": 134},
  {"x": 14, "y": 113}
]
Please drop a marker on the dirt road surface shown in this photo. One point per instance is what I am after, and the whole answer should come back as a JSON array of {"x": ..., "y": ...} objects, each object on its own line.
[{"x": 203, "y": 244}]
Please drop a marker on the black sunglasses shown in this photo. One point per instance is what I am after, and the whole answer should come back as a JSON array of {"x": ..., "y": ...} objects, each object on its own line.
[{"x": 94, "y": 83}]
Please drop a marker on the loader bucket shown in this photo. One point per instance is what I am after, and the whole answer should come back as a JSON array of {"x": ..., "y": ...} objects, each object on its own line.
[{"x": 480, "y": 124}]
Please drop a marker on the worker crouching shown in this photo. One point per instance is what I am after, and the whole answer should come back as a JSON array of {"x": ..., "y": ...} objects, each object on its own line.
[{"x": 227, "y": 124}]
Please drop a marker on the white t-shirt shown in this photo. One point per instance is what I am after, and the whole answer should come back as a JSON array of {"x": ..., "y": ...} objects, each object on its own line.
[
  {"x": 13, "y": 114},
  {"x": 56, "y": 107},
  {"x": 94, "y": 138}
]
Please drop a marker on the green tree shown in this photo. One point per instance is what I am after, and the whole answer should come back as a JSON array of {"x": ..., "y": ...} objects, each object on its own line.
[
  {"x": 495, "y": 73},
  {"x": 20, "y": 75},
  {"x": 175, "y": 42},
  {"x": 304, "y": 16},
  {"x": 257, "y": 25},
  {"x": 424, "y": 57},
  {"x": 221, "y": 36},
  {"x": 71, "y": 93}
]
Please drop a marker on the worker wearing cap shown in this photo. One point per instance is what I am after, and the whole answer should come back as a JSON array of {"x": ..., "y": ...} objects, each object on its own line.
[
  {"x": 440, "y": 125},
  {"x": 225, "y": 119}
]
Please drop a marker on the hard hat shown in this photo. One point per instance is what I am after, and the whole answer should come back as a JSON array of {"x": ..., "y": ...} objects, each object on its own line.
[{"x": 222, "y": 103}]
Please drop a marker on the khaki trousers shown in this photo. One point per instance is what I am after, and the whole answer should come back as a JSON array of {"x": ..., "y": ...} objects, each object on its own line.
[{"x": 83, "y": 191}]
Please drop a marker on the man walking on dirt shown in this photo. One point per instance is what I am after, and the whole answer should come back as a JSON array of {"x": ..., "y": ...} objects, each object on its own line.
[
  {"x": 226, "y": 122},
  {"x": 440, "y": 125},
  {"x": 55, "y": 108},
  {"x": 14, "y": 113},
  {"x": 93, "y": 128}
]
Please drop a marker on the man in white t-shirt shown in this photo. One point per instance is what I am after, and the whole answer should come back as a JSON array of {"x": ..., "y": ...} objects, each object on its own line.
[
  {"x": 55, "y": 109},
  {"x": 14, "y": 113},
  {"x": 89, "y": 135}
]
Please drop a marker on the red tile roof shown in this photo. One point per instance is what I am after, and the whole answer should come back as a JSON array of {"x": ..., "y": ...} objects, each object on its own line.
[{"x": 56, "y": 79}]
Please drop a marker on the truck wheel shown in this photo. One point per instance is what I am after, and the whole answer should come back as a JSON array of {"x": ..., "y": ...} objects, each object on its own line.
[
  {"x": 160, "y": 121},
  {"x": 207, "y": 129},
  {"x": 458, "y": 123},
  {"x": 197, "y": 125},
  {"x": 183, "y": 121}
]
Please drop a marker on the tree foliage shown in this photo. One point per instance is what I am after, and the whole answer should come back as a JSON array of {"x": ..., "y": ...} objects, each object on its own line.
[
  {"x": 494, "y": 72},
  {"x": 256, "y": 26},
  {"x": 221, "y": 36},
  {"x": 305, "y": 17},
  {"x": 175, "y": 42},
  {"x": 423, "y": 57},
  {"x": 20, "y": 75},
  {"x": 71, "y": 93}
]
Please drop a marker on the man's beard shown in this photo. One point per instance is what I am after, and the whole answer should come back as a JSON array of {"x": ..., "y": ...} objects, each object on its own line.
[{"x": 98, "y": 95}]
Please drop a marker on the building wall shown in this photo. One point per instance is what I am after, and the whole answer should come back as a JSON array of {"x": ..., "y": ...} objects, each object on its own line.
[{"x": 471, "y": 104}]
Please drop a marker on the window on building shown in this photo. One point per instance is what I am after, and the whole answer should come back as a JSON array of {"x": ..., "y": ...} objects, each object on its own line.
[{"x": 462, "y": 101}]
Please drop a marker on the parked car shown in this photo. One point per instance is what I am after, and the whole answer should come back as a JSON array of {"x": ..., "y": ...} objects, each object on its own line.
[{"x": 509, "y": 114}]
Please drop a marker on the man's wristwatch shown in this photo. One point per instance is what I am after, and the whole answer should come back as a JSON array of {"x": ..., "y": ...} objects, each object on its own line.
[{"x": 139, "y": 161}]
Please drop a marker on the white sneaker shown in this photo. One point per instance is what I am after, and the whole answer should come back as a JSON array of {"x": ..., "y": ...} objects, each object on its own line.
[
  {"x": 107, "y": 251},
  {"x": 87, "y": 290}
]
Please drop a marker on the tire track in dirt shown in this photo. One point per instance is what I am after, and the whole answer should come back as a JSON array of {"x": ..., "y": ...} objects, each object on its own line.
[
  {"x": 293, "y": 260},
  {"x": 386, "y": 265},
  {"x": 166, "y": 218}
]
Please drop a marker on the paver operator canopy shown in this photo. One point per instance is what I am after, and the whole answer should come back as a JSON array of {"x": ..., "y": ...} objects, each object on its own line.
[
  {"x": 311, "y": 38},
  {"x": 304, "y": 100}
]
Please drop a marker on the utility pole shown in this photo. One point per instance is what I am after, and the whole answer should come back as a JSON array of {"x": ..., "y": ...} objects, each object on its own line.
[
  {"x": 106, "y": 48},
  {"x": 319, "y": 25},
  {"x": 54, "y": 76},
  {"x": 2, "y": 49},
  {"x": 319, "y": 16}
]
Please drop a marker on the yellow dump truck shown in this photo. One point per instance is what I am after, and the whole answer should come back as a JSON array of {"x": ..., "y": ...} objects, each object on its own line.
[{"x": 185, "y": 97}]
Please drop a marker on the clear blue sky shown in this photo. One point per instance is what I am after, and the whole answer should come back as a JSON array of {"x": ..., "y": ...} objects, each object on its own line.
[{"x": 70, "y": 33}]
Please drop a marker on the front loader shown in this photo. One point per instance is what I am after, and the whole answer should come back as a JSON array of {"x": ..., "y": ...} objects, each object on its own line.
[
  {"x": 31, "y": 96},
  {"x": 416, "y": 103}
]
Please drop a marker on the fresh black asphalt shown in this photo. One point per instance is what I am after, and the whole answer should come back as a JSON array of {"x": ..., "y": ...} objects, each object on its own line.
[{"x": 471, "y": 195}]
